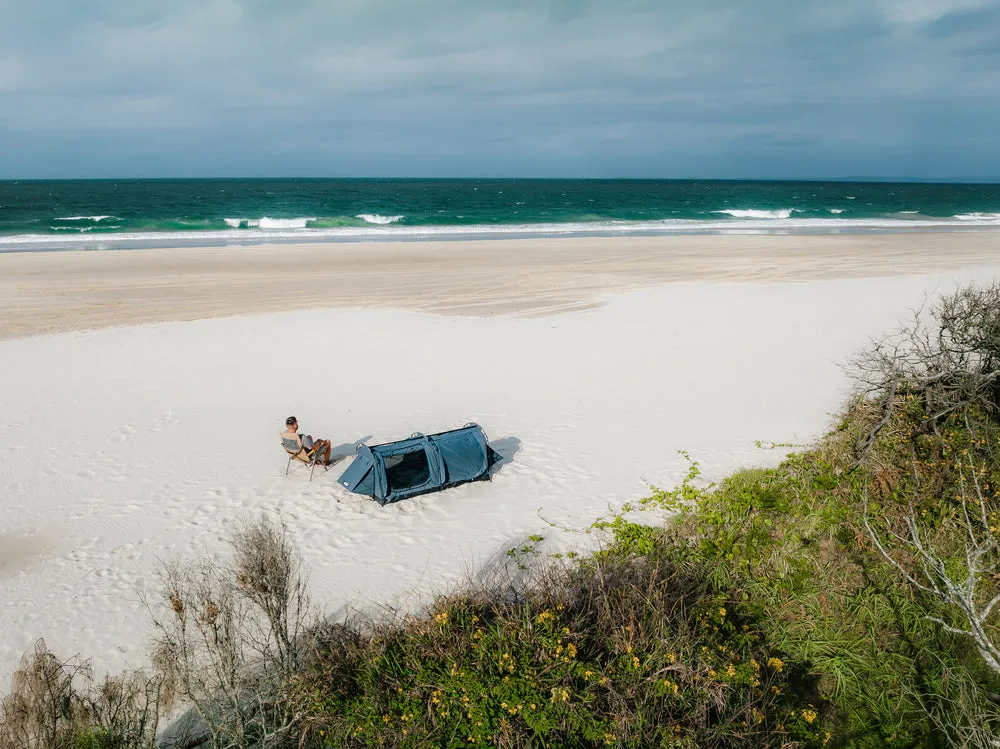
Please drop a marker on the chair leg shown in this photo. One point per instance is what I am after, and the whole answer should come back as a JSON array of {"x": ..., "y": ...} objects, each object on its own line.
[
  {"x": 312, "y": 470},
  {"x": 288, "y": 466}
]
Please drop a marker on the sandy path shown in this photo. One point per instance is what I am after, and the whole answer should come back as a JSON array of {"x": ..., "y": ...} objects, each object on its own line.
[{"x": 78, "y": 290}]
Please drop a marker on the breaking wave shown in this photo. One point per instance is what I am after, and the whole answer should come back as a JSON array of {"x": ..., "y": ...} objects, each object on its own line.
[
  {"x": 754, "y": 213},
  {"x": 375, "y": 218},
  {"x": 268, "y": 223},
  {"x": 978, "y": 217},
  {"x": 95, "y": 219},
  {"x": 105, "y": 227}
]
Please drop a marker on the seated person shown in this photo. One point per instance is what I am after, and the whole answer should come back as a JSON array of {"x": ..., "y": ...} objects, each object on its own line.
[{"x": 322, "y": 447}]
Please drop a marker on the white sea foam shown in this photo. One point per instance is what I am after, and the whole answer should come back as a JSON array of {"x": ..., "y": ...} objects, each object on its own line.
[
  {"x": 285, "y": 223},
  {"x": 269, "y": 223},
  {"x": 95, "y": 219},
  {"x": 836, "y": 210},
  {"x": 375, "y": 218},
  {"x": 990, "y": 217},
  {"x": 754, "y": 213}
]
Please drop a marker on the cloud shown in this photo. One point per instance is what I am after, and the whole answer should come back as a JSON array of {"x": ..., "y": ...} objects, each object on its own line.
[{"x": 541, "y": 87}]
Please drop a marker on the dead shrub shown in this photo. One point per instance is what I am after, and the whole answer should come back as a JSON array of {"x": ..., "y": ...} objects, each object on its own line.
[
  {"x": 55, "y": 704},
  {"x": 230, "y": 637}
]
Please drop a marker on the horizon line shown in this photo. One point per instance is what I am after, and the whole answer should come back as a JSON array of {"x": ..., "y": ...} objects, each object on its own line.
[{"x": 876, "y": 179}]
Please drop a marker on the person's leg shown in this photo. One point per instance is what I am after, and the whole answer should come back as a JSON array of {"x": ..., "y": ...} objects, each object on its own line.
[{"x": 327, "y": 449}]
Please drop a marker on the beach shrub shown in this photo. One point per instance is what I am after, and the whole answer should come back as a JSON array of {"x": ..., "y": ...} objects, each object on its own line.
[
  {"x": 875, "y": 552},
  {"x": 623, "y": 650},
  {"x": 56, "y": 704},
  {"x": 231, "y": 637}
]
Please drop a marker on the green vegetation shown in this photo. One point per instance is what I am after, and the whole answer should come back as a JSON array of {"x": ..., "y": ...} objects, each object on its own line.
[
  {"x": 619, "y": 651},
  {"x": 847, "y": 598}
]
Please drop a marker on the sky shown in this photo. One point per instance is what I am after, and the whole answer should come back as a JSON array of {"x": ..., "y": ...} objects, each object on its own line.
[{"x": 772, "y": 89}]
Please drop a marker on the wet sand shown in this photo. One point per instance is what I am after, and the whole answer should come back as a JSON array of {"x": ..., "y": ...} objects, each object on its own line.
[{"x": 49, "y": 292}]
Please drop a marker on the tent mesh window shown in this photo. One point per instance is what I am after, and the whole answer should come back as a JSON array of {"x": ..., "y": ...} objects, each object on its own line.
[{"x": 407, "y": 471}]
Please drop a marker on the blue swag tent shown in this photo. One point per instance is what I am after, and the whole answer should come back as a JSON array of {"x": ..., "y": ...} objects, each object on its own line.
[{"x": 423, "y": 463}]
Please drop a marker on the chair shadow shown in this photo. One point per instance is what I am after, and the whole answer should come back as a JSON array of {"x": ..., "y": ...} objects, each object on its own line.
[
  {"x": 346, "y": 450},
  {"x": 505, "y": 448}
]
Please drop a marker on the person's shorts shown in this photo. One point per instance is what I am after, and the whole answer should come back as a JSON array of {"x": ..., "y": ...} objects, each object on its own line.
[{"x": 307, "y": 442}]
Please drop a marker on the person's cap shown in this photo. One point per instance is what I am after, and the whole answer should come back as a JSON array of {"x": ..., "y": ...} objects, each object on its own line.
[{"x": 291, "y": 420}]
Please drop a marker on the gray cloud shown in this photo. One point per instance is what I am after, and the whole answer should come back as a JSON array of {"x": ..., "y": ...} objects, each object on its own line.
[{"x": 771, "y": 88}]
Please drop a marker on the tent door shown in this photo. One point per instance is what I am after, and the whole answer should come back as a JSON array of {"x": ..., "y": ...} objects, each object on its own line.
[{"x": 407, "y": 472}]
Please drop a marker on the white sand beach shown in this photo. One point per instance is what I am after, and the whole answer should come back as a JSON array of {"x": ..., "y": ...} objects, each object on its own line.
[{"x": 141, "y": 394}]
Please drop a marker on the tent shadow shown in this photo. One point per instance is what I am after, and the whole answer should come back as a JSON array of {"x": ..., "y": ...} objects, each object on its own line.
[
  {"x": 505, "y": 448},
  {"x": 346, "y": 450}
]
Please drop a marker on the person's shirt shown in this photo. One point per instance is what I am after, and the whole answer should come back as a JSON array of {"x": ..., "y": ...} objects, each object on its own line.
[{"x": 287, "y": 435}]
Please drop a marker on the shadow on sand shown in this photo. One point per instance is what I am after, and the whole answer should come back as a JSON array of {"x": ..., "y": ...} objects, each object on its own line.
[
  {"x": 505, "y": 448},
  {"x": 346, "y": 450}
]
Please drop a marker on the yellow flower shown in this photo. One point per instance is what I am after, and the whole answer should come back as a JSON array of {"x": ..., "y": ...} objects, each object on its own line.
[
  {"x": 722, "y": 612},
  {"x": 560, "y": 694},
  {"x": 441, "y": 618},
  {"x": 809, "y": 715},
  {"x": 571, "y": 650},
  {"x": 385, "y": 718},
  {"x": 775, "y": 663}
]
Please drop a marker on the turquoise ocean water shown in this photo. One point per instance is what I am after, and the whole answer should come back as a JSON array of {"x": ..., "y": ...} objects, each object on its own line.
[{"x": 49, "y": 215}]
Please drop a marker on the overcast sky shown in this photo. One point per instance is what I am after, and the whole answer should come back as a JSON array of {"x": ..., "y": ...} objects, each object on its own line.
[{"x": 576, "y": 88}]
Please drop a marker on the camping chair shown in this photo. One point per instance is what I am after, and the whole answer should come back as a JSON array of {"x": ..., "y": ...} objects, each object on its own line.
[{"x": 297, "y": 452}]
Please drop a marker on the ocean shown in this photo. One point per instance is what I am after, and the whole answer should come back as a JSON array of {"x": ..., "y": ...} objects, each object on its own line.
[{"x": 102, "y": 214}]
